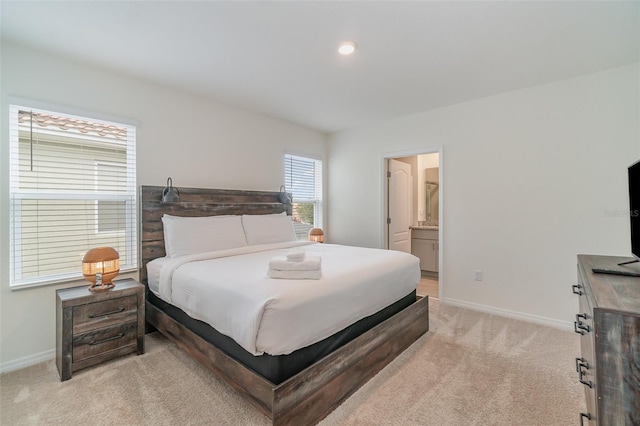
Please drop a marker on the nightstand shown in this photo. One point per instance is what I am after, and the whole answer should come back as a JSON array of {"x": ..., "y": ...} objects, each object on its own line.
[{"x": 92, "y": 327}]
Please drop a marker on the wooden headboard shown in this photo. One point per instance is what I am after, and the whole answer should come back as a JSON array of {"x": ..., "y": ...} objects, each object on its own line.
[{"x": 193, "y": 202}]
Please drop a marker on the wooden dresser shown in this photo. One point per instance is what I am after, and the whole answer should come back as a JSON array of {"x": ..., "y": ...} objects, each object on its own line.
[
  {"x": 95, "y": 327},
  {"x": 609, "y": 325}
]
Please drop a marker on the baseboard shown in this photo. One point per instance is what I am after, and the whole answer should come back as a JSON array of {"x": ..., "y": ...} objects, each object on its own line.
[
  {"x": 563, "y": 325},
  {"x": 27, "y": 361}
]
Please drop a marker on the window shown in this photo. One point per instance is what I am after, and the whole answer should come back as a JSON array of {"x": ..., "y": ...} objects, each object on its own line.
[
  {"x": 303, "y": 178},
  {"x": 72, "y": 188}
]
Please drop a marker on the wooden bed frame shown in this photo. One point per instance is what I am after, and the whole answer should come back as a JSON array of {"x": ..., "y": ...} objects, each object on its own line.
[{"x": 309, "y": 396}]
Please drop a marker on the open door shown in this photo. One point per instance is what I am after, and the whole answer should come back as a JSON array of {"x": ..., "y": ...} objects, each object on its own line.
[{"x": 399, "y": 214}]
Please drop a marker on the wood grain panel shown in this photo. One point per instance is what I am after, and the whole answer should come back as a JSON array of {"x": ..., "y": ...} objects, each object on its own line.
[
  {"x": 614, "y": 292},
  {"x": 103, "y": 314},
  {"x": 255, "y": 388},
  {"x": 312, "y": 394},
  {"x": 105, "y": 356},
  {"x": 103, "y": 340},
  {"x": 618, "y": 353},
  {"x": 207, "y": 195}
]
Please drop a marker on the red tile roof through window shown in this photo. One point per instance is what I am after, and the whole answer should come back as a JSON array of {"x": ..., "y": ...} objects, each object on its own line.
[{"x": 72, "y": 124}]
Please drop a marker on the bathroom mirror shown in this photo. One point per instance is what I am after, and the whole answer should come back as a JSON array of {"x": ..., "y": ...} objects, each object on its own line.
[{"x": 432, "y": 190}]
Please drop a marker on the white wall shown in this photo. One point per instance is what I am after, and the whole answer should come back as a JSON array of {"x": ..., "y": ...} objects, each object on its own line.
[
  {"x": 530, "y": 179},
  {"x": 195, "y": 141}
]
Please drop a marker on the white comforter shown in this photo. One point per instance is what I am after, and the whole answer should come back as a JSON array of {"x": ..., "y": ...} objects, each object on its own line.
[{"x": 231, "y": 291}]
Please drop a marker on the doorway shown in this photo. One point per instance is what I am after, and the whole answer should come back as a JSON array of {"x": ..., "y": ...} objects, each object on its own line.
[{"x": 420, "y": 232}]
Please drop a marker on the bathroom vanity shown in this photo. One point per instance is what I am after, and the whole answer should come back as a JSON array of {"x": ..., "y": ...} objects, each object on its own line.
[{"x": 424, "y": 245}]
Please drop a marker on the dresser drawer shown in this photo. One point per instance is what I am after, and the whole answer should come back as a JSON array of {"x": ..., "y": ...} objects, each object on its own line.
[
  {"x": 102, "y": 314},
  {"x": 103, "y": 340}
]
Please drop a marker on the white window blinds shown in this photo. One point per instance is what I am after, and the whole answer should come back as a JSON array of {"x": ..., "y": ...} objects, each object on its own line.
[
  {"x": 303, "y": 178},
  {"x": 72, "y": 188}
]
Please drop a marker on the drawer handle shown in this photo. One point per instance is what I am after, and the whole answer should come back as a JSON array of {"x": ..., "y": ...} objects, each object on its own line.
[
  {"x": 584, "y": 327},
  {"x": 576, "y": 289},
  {"x": 582, "y": 380},
  {"x": 584, "y": 416},
  {"x": 578, "y": 324},
  {"x": 104, "y": 314},
  {"x": 97, "y": 342},
  {"x": 581, "y": 362}
]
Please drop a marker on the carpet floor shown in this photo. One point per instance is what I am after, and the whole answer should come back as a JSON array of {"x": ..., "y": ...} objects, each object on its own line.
[{"x": 471, "y": 368}]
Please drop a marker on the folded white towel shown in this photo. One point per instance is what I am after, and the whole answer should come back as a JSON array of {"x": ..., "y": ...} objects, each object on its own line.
[
  {"x": 295, "y": 255},
  {"x": 310, "y": 263},
  {"x": 295, "y": 275}
]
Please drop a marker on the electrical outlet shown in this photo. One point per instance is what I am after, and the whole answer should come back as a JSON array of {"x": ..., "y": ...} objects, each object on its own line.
[{"x": 478, "y": 275}]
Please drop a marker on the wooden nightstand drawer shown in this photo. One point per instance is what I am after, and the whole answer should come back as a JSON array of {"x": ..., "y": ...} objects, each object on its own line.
[
  {"x": 104, "y": 314},
  {"x": 104, "y": 340}
]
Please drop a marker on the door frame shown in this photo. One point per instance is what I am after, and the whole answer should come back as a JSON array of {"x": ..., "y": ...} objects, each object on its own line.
[{"x": 384, "y": 205}]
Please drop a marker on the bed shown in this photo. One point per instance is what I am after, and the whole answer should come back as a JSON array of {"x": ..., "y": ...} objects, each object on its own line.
[{"x": 298, "y": 381}]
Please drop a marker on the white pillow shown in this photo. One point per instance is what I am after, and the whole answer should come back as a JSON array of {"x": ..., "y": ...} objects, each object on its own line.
[
  {"x": 267, "y": 228},
  {"x": 190, "y": 235}
]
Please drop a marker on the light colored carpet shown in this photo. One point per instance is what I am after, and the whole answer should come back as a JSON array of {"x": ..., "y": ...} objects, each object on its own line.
[{"x": 471, "y": 368}]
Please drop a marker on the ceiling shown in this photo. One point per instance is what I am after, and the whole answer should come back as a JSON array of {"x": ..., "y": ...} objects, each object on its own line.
[{"x": 279, "y": 57}]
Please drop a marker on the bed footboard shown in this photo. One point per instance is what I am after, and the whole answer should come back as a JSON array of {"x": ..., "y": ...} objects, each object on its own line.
[{"x": 312, "y": 394}]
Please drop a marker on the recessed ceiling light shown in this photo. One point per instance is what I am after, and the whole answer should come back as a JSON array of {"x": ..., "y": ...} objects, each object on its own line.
[{"x": 347, "y": 48}]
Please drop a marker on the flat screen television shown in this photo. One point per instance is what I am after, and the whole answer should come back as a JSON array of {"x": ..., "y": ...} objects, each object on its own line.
[
  {"x": 634, "y": 210},
  {"x": 623, "y": 268}
]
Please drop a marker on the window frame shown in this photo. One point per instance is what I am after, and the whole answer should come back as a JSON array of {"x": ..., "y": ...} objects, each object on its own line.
[
  {"x": 17, "y": 195},
  {"x": 318, "y": 186}
]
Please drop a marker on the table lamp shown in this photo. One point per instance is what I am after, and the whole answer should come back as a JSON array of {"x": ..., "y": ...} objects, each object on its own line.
[
  {"x": 100, "y": 265},
  {"x": 316, "y": 234}
]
